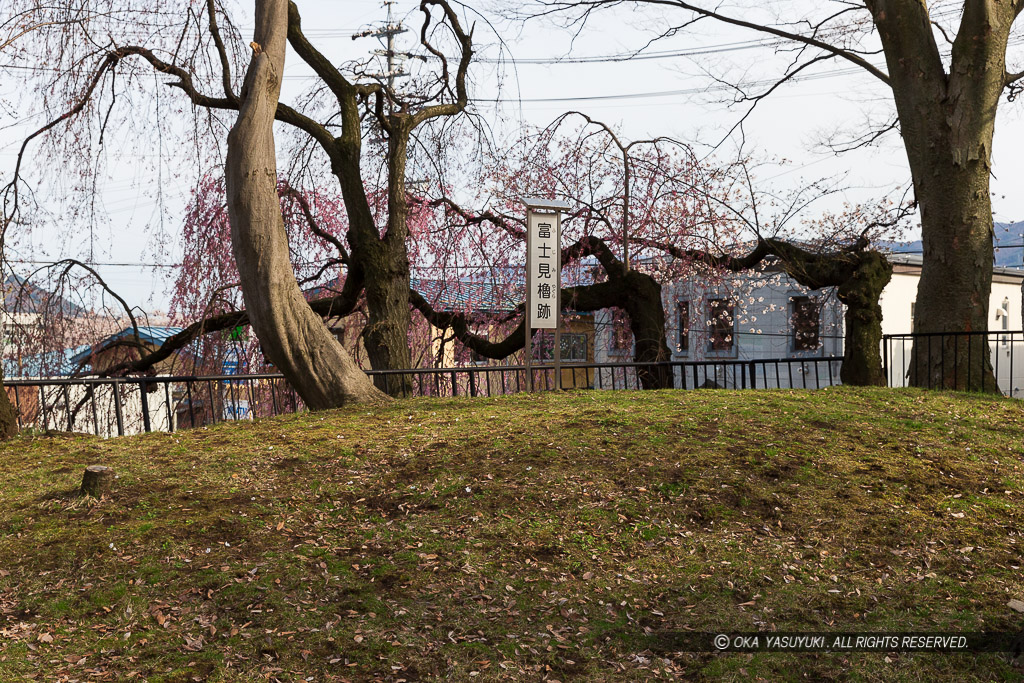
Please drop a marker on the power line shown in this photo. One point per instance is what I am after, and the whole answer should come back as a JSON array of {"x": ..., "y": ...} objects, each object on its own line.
[{"x": 96, "y": 263}]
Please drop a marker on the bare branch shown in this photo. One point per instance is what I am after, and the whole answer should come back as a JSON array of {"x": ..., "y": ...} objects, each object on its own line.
[
  {"x": 811, "y": 40},
  {"x": 222, "y": 52},
  {"x": 466, "y": 45},
  {"x": 314, "y": 226}
]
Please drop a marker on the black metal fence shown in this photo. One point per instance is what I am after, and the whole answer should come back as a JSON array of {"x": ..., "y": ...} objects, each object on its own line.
[
  {"x": 119, "y": 406},
  {"x": 958, "y": 360}
]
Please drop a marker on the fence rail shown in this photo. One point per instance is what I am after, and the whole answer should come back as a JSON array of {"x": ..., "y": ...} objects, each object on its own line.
[{"x": 129, "y": 405}]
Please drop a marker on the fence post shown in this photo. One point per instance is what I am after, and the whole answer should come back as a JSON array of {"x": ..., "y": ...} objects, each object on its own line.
[
  {"x": 753, "y": 375},
  {"x": 145, "y": 406},
  {"x": 885, "y": 360},
  {"x": 117, "y": 408}
]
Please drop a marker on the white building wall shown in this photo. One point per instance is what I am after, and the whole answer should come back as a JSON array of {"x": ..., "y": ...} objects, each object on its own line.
[
  {"x": 96, "y": 414},
  {"x": 1004, "y": 313}
]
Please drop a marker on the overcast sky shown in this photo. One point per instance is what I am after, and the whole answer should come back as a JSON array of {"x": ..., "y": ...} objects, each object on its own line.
[{"x": 666, "y": 93}]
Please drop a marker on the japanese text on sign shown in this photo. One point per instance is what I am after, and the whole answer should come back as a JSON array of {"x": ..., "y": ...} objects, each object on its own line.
[{"x": 543, "y": 265}]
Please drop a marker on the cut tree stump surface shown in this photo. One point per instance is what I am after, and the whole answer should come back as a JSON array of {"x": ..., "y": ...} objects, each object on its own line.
[{"x": 97, "y": 481}]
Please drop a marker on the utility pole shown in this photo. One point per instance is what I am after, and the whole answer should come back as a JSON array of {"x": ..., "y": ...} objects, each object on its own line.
[{"x": 395, "y": 59}]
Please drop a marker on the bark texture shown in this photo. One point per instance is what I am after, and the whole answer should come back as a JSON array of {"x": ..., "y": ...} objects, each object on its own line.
[
  {"x": 8, "y": 417},
  {"x": 862, "y": 364},
  {"x": 860, "y": 275},
  {"x": 381, "y": 258},
  {"x": 294, "y": 338},
  {"x": 639, "y": 296}
]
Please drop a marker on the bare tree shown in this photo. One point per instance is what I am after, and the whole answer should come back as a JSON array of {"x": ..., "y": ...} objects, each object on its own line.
[
  {"x": 90, "y": 53},
  {"x": 680, "y": 220},
  {"x": 294, "y": 337},
  {"x": 946, "y": 83}
]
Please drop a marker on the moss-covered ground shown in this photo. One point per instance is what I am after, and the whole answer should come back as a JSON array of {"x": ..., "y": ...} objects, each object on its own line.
[{"x": 532, "y": 537}]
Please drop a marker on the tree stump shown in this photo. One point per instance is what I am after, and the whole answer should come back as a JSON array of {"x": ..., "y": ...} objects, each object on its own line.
[{"x": 96, "y": 481}]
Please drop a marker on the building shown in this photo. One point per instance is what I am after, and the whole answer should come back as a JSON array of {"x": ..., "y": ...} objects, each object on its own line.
[
  {"x": 491, "y": 306},
  {"x": 766, "y": 315},
  {"x": 120, "y": 347},
  {"x": 714, "y": 322},
  {"x": 1004, "y": 315}
]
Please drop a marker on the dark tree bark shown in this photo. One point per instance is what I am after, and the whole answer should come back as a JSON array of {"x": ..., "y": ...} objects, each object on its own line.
[
  {"x": 636, "y": 293},
  {"x": 382, "y": 259},
  {"x": 947, "y": 122},
  {"x": 860, "y": 276},
  {"x": 8, "y": 416},
  {"x": 862, "y": 366},
  {"x": 294, "y": 338}
]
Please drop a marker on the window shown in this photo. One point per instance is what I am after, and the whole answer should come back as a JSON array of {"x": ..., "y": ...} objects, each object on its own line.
[
  {"x": 720, "y": 320},
  {"x": 574, "y": 348},
  {"x": 684, "y": 327},
  {"x": 805, "y": 319},
  {"x": 622, "y": 338}
]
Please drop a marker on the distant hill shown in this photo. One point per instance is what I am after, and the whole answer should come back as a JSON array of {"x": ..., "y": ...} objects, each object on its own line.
[{"x": 1008, "y": 250}]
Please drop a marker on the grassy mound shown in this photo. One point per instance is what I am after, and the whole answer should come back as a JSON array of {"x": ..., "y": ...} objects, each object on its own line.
[{"x": 525, "y": 537}]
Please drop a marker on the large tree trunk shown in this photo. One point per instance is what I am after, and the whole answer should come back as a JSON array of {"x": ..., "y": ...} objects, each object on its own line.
[
  {"x": 387, "y": 265},
  {"x": 642, "y": 302},
  {"x": 295, "y": 338},
  {"x": 862, "y": 362},
  {"x": 386, "y": 335},
  {"x": 956, "y": 278},
  {"x": 947, "y": 122}
]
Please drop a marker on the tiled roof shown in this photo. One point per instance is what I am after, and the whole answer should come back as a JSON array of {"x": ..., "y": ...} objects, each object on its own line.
[
  {"x": 461, "y": 295},
  {"x": 147, "y": 335},
  {"x": 444, "y": 295}
]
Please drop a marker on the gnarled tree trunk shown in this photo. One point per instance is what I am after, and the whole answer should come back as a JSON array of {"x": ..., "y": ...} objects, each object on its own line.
[
  {"x": 294, "y": 338},
  {"x": 862, "y": 362}
]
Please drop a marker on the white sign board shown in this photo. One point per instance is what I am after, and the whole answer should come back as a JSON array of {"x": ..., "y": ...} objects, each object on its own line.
[
  {"x": 543, "y": 265},
  {"x": 237, "y": 410}
]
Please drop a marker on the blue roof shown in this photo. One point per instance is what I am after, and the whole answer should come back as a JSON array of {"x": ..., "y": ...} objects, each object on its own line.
[
  {"x": 147, "y": 335},
  {"x": 467, "y": 295}
]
